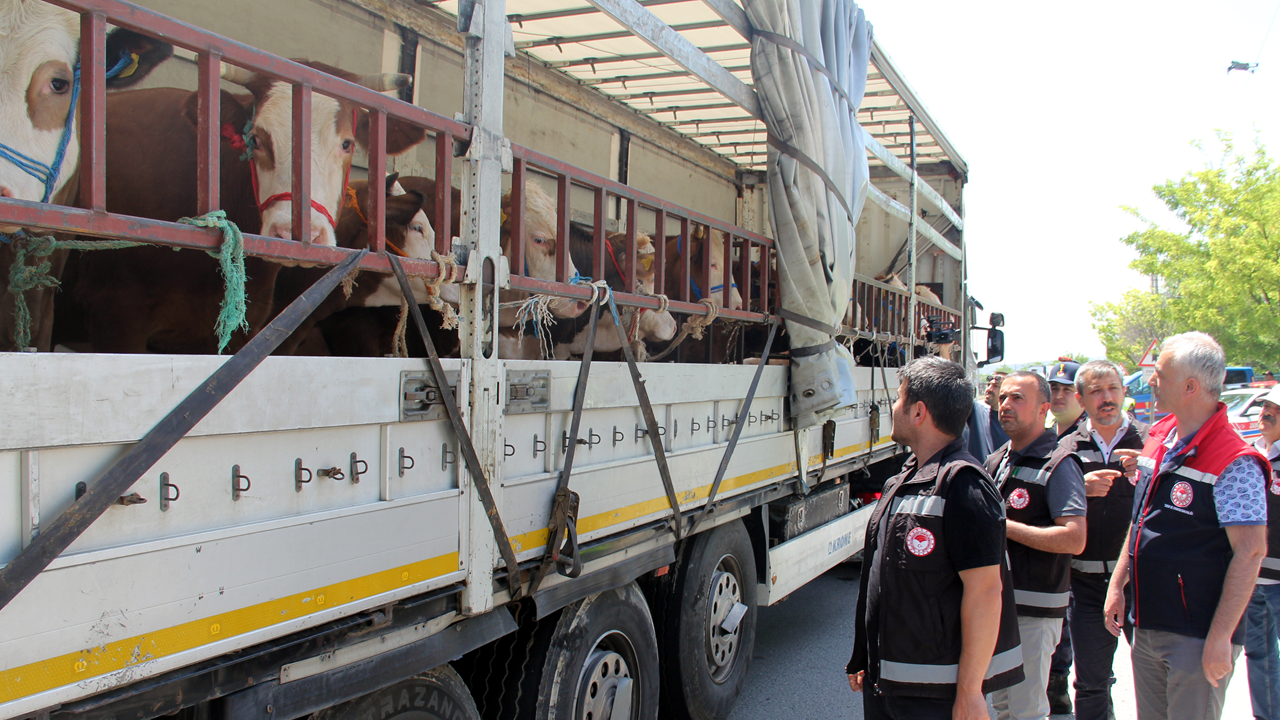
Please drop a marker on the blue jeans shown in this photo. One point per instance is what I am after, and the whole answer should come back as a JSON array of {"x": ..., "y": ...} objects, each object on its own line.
[
  {"x": 1262, "y": 652},
  {"x": 1063, "y": 656}
]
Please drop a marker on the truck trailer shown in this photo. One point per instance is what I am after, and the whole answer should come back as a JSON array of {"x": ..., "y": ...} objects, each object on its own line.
[{"x": 256, "y": 535}]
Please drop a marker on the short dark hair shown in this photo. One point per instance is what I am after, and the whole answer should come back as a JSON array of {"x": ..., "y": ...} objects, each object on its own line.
[
  {"x": 943, "y": 387},
  {"x": 1041, "y": 384}
]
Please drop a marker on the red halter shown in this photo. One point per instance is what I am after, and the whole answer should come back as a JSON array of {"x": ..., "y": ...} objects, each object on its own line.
[{"x": 237, "y": 142}]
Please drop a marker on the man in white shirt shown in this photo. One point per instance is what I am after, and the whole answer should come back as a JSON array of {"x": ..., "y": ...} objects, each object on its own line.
[{"x": 1260, "y": 641}]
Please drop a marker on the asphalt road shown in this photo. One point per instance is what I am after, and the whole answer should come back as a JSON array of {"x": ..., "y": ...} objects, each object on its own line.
[{"x": 803, "y": 643}]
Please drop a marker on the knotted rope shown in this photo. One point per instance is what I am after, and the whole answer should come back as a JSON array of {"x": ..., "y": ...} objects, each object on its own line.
[
  {"x": 231, "y": 316},
  {"x": 23, "y": 277},
  {"x": 449, "y": 321},
  {"x": 692, "y": 326}
]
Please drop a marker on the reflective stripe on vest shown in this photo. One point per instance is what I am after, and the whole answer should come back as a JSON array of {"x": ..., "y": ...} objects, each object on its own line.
[
  {"x": 927, "y": 505},
  {"x": 1094, "y": 566},
  {"x": 1271, "y": 563},
  {"x": 1040, "y": 599},
  {"x": 946, "y": 674},
  {"x": 1029, "y": 474},
  {"x": 1090, "y": 456},
  {"x": 1196, "y": 475},
  {"x": 1146, "y": 462}
]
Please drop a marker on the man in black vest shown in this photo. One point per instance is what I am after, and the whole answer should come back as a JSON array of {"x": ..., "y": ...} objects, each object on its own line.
[
  {"x": 1107, "y": 444},
  {"x": 1044, "y": 497},
  {"x": 935, "y": 624},
  {"x": 1197, "y": 537},
  {"x": 1262, "y": 619}
]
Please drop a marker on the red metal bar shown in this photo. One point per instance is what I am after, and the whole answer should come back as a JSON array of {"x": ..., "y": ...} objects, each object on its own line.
[
  {"x": 93, "y": 112},
  {"x": 517, "y": 216},
  {"x": 660, "y": 252},
  {"x": 583, "y": 177},
  {"x": 377, "y": 180},
  {"x": 302, "y": 163},
  {"x": 726, "y": 267},
  {"x": 704, "y": 272},
  {"x": 444, "y": 193},
  {"x": 765, "y": 262},
  {"x": 563, "y": 187},
  {"x": 744, "y": 272},
  {"x": 127, "y": 15},
  {"x": 208, "y": 133},
  {"x": 683, "y": 242},
  {"x": 598, "y": 245},
  {"x": 629, "y": 280},
  {"x": 59, "y": 218}
]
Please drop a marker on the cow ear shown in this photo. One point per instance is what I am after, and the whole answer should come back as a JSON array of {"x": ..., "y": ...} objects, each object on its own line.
[
  {"x": 137, "y": 55},
  {"x": 402, "y": 208},
  {"x": 234, "y": 110},
  {"x": 391, "y": 181},
  {"x": 401, "y": 136}
]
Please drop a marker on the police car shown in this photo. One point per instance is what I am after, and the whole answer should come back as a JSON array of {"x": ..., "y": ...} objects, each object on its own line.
[{"x": 1243, "y": 408}]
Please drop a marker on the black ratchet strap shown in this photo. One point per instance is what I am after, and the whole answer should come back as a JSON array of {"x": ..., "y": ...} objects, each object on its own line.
[
  {"x": 564, "y": 505},
  {"x": 651, "y": 422},
  {"x": 158, "y": 441},
  {"x": 737, "y": 430},
  {"x": 480, "y": 480}
]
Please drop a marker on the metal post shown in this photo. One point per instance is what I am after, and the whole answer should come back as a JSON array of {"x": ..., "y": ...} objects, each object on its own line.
[
  {"x": 912, "y": 255},
  {"x": 483, "y": 23},
  {"x": 966, "y": 343}
]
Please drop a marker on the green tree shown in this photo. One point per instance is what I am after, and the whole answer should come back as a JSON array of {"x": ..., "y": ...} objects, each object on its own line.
[
  {"x": 1221, "y": 276},
  {"x": 1127, "y": 327}
]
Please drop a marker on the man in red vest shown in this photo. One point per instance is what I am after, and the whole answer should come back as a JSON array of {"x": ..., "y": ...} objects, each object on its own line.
[{"x": 1196, "y": 539}]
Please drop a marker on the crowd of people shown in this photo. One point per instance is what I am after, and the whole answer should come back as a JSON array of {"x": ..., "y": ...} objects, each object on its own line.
[{"x": 1025, "y": 535}]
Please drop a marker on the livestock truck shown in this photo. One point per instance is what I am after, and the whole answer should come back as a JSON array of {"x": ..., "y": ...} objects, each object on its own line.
[{"x": 265, "y": 536}]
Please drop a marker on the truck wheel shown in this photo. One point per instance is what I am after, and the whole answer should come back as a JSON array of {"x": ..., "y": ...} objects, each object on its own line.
[
  {"x": 602, "y": 658},
  {"x": 705, "y": 610},
  {"x": 437, "y": 694}
]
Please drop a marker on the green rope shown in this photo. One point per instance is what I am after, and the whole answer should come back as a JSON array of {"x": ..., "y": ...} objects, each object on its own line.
[
  {"x": 24, "y": 277},
  {"x": 231, "y": 258}
]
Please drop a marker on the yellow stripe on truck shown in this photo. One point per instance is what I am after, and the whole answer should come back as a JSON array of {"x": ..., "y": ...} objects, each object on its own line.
[{"x": 75, "y": 667}]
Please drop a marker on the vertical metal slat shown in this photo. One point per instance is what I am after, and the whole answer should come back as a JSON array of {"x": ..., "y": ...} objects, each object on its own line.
[
  {"x": 93, "y": 112},
  {"x": 302, "y": 163}
]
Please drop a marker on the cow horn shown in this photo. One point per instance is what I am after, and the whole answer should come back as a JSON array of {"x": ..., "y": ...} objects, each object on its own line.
[
  {"x": 237, "y": 75},
  {"x": 383, "y": 82}
]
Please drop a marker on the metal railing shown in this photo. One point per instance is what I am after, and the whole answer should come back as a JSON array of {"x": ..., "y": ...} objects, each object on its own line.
[{"x": 749, "y": 257}]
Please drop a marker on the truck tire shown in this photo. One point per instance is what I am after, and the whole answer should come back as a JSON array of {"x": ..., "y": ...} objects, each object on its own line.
[
  {"x": 437, "y": 694},
  {"x": 600, "y": 648},
  {"x": 703, "y": 666}
]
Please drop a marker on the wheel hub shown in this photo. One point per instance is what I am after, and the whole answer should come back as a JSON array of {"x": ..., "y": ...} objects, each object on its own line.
[
  {"x": 722, "y": 644},
  {"x": 606, "y": 686}
]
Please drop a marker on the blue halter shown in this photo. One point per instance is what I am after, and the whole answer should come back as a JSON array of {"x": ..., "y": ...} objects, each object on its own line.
[
  {"x": 48, "y": 174},
  {"x": 693, "y": 284}
]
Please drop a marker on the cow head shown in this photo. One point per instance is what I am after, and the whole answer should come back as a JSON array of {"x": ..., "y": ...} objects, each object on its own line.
[
  {"x": 263, "y": 124},
  {"x": 716, "y": 292},
  {"x": 540, "y": 246},
  {"x": 653, "y": 325},
  {"x": 39, "y": 56}
]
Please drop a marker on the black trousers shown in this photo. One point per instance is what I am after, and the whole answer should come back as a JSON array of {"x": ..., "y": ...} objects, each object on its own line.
[
  {"x": 1094, "y": 647},
  {"x": 894, "y": 707}
]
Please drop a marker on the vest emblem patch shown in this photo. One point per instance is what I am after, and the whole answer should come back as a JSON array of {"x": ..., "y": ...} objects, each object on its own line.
[
  {"x": 920, "y": 542},
  {"x": 1181, "y": 494},
  {"x": 1019, "y": 498},
  {"x": 1275, "y": 483}
]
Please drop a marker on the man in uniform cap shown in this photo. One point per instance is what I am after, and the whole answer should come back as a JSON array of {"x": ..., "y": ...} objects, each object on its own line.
[
  {"x": 1262, "y": 619},
  {"x": 1067, "y": 414}
]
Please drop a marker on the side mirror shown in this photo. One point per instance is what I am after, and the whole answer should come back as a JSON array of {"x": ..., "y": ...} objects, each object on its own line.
[
  {"x": 997, "y": 320},
  {"x": 995, "y": 346}
]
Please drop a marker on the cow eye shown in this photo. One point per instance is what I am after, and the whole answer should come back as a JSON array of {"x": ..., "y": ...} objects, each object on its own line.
[
  {"x": 348, "y": 144},
  {"x": 417, "y": 227},
  {"x": 539, "y": 240},
  {"x": 60, "y": 85}
]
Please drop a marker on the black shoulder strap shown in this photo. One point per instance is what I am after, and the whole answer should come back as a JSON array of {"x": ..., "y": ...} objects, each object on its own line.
[{"x": 993, "y": 462}]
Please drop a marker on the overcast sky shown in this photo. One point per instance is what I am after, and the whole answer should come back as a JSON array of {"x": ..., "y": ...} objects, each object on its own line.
[{"x": 1064, "y": 113}]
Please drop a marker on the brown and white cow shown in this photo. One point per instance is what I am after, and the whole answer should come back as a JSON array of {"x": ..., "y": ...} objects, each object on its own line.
[
  {"x": 675, "y": 276},
  {"x": 152, "y": 299},
  {"x": 39, "y": 55}
]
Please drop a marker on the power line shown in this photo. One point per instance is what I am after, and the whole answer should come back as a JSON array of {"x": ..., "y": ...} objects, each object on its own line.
[{"x": 1268, "y": 34}]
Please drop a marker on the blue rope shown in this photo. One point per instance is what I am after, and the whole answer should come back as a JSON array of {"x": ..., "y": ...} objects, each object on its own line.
[
  {"x": 48, "y": 174},
  {"x": 693, "y": 284}
]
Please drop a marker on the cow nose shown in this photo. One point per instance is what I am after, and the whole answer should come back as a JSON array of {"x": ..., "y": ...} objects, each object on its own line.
[
  {"x": 6, "y": 192},
  {"x": 284, "y": 231}
]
